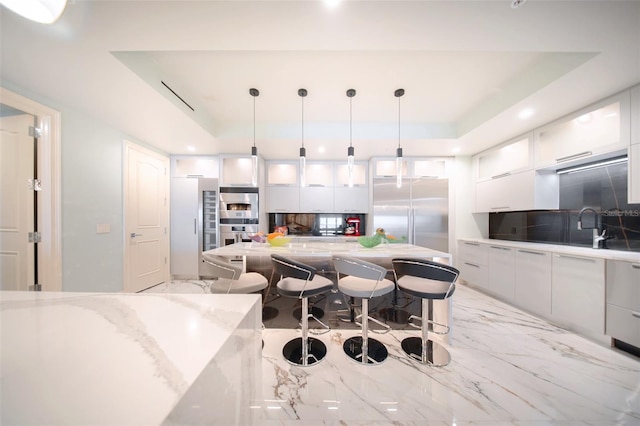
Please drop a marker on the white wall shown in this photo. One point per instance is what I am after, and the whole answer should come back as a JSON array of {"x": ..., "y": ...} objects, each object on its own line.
[{"x": 92, "y": 194}]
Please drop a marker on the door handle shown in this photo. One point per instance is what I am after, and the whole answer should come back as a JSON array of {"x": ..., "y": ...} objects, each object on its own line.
[{"x": 133, "y": 235}]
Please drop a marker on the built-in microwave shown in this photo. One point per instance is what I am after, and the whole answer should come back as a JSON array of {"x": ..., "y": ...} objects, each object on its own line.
[{"x": 238, "y": 205}]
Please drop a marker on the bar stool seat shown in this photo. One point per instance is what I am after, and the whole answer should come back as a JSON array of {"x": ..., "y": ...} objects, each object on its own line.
[
  {"x": 363, "y": 280},
  {"x": 429, "y": 281},
  {"x": 229, "y": 276},
  {"x": 300, "y": 281}
]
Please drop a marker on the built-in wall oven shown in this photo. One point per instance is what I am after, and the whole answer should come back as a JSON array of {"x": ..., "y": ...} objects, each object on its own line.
[
  {"x": 238, "y": 212},
  {"x": 239, "y": 205}
]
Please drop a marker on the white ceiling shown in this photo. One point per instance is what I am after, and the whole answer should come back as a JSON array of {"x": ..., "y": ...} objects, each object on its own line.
[{"x": 467, "y": 67}]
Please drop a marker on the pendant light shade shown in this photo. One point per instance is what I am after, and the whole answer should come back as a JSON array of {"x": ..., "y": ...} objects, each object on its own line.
[
  {"x": 398, "y": 94},
  {"x": 254, "y": 149},
  {"x": 350, "y": 151},
  {"x": 303, "y": 152},
  {"x": 43, "y": 11}
]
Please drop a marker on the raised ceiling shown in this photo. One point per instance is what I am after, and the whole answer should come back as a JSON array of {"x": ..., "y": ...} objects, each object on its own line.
[{"x": 468, "y": 68}]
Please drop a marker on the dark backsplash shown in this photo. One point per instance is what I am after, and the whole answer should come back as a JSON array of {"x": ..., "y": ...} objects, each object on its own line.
[{"x": 603, "y": 189}]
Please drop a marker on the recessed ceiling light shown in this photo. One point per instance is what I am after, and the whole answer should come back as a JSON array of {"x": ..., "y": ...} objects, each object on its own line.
[
  {"x": 321, "y": 149},
  {"x": 456, "y": 150},
  {"x": 191, "y": 148},
  {"x": 525, "y": 113},
  {"x": 332, "y": 3}
]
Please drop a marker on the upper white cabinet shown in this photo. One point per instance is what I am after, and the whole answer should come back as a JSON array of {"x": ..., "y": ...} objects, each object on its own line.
[
  {"x": 359, "y": 174},
  {"x": 510, "y": 157},
  {"x": 589, "y": 134},
  {"x": 634, "y": 148},
  {"x": 236, "y": 171},
  {"x": 282, "y": 173},
  {"x": 195, "y": 166},
  {"x": 351, "y": 199},
  {"x": 412, "y": 167},
  {"x": 529, "y": 190},
  {"x": 319, "y": 174}
]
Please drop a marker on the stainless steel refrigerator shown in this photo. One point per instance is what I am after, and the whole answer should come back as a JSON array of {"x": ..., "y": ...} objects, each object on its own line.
[{"x": 419, "y": 210}]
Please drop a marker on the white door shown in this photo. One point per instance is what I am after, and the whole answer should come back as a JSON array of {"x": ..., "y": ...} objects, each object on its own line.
[
  {"x": 17, "y": 255},
  {"x": 147, "y": 217}
]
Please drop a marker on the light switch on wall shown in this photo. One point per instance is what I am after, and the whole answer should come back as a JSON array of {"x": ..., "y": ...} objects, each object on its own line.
[{"x": 103, "y": 228}]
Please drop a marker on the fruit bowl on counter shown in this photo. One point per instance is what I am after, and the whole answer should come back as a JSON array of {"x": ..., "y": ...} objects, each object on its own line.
[
  {"x": 370, "y": 242},
  {"x": 278, "y": 239}
]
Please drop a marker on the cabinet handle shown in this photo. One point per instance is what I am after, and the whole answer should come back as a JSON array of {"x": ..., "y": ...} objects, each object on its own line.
[
  {"x": 471, "y": 244},
  {"x": 501, "y": 175},
  {"x": 537, "y": 253},
  {"x": 635, "y": 314},
  {"x": 500, "y": 248},
  {"x": 195, "y": 226},
  {"x": 635, "y": 266},
  {"x": 471, "y": 264},
  {"x": 319, "y": 185},
  {"x": 577, "y": 258},
  {"x": 498, "y": 208},
  {"x": 574, "y": 156}
]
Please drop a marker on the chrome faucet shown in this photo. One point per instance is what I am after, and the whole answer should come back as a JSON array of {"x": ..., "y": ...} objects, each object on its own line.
[{"x": 598, "y": 238}]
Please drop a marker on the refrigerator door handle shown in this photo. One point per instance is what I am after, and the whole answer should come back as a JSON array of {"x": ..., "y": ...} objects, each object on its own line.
[{"x": 195, "y": 225}]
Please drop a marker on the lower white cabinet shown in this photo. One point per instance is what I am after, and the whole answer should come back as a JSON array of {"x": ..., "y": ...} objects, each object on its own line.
[
  {"x": 533, "y": 281},
  {"x": 184, "y": 223},
  {"x": 502, "y": 272},
  {"x": 578, "y": 293},
  {"x": 623, "y": 301},
  {"x": 473, "y": 263}
]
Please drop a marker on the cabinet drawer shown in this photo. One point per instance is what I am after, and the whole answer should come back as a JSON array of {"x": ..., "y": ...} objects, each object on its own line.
[
  {"x": 623, "y": 324},
  {"x": 475, "y": 253},
  {"x": 623, "y": 284},
  {"x": 475, "y": 275}
]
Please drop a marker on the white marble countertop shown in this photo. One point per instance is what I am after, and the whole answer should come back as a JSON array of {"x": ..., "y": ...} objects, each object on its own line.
[
  {"x": 628, "y": 256},
  {"x": 113, "y": 359},
  {"x": 325, "y": 248}
]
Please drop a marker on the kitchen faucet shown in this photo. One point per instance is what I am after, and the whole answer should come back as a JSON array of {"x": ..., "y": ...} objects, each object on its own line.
[{"x": 598, "y": 239}]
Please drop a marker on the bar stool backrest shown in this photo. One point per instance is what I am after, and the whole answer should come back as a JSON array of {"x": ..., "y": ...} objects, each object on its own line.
[
  {"x": 221, "y": 267},
  {"x": 286, "y": 267},
  {"x": 359, "y": 268},
  {"x": 426, "y": 269}
]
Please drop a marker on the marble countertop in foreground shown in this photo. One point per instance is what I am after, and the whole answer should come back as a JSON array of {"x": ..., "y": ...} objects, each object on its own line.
[
  {"x": 629, "y": 256},
  {"x": 95, "y": 358}
]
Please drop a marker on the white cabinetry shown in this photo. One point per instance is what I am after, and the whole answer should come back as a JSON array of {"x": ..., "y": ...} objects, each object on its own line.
[
  {"x": 589, "y": 134},
  {"x": 317, "y": 194},
  {"x": 184, "y": 231},
  {"x": 236, "y": 171},
  {"x": 623, "y": 301},
  {"x": 578, "y": 293},
  {"x": 528, "y": 190},
  {"x": 195, "y": 166},
  {"x": 502, "y": 272},
  {"x": 355, "y": 198},
  {"x": 326, "y": 190},
  {"x": 634, "y": 148},
  {"x": 473, "y": 263},
  {"x": 506, "y": 181},
  {"x": 533, "y": 281}
]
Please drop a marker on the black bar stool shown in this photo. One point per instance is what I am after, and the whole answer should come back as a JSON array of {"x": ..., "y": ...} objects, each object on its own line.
[
  {"x": 363, "y": 280},
  {"x": 430, "y": 281},
  {"x": 300, "y": 281}
]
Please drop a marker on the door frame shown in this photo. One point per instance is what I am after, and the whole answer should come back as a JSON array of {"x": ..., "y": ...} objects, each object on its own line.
[
  {"x": 49, "y": 213},
  {"x": 127, "y": 146}
]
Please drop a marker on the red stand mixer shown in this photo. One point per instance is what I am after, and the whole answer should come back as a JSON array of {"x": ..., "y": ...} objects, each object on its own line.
[{"x": 353, "y": 226}]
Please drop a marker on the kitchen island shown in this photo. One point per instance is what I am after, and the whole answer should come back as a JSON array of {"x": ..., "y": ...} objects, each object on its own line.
[
  {"x": 128, "y": 359},
  {"x": 326, "y": 247}
]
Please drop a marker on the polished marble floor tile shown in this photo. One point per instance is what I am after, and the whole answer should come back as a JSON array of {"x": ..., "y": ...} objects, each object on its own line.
[{"x": 507, "y": 368}]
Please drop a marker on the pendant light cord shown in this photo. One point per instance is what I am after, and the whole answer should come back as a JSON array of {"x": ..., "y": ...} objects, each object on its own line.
[
  {"x": 302, "y": 119},
  {"x": 398, "y": 121},
  {"x": 350, "y": 121},
  {"x": 254, "y": 121}
]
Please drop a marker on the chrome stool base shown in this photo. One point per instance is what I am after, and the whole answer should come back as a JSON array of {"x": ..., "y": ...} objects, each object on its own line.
[
  {"x": 376, "y": 351},
  {"x": 435, "y": 354},
  {"x": 292, "y": 351}
]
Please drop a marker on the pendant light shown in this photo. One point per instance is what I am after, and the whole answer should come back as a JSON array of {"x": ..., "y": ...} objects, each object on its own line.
[
  {"x": 254, "y": 149},
  {"x": 398, "y": 94},
  {"x": 303, "y": 152},
  {"x": 350, "y": 151}
]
